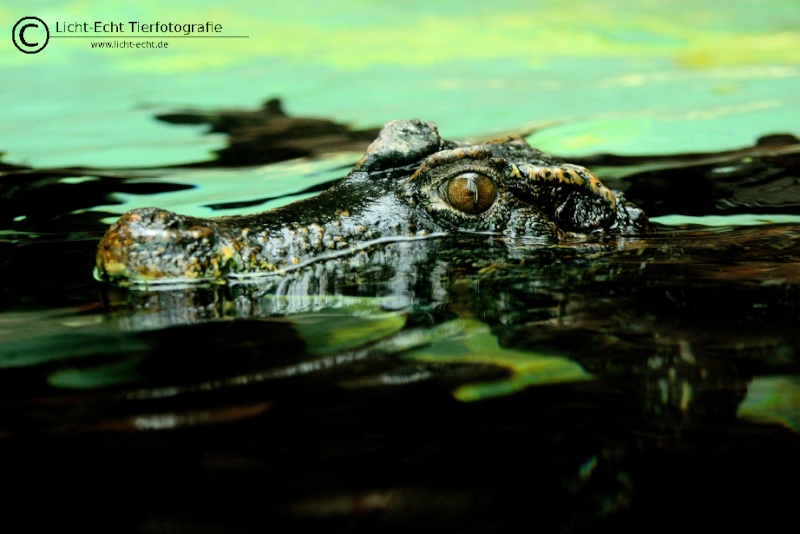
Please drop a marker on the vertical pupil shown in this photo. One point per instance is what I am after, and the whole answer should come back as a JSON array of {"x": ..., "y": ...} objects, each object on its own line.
[{"x": 470, "y": 190}]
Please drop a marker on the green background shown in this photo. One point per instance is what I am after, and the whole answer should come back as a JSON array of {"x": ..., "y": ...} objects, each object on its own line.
[{"x": 629, "y": 77}]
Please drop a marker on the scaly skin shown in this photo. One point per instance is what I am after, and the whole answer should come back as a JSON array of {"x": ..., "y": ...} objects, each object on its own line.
[{"x": 411, "y": 183}]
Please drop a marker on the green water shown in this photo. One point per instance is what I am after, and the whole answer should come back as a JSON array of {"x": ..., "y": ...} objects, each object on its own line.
[{"x": 600, "y": 76}]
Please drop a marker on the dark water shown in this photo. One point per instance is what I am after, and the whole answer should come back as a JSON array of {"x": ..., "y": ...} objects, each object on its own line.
[{"x": 641, "y": 384}]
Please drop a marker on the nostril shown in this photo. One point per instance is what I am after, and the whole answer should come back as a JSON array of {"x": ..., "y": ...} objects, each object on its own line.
[
  {"x": 161, "y": 226},
  {"x": 149, "y": 218},
  {"x": 152, "y": 243}
]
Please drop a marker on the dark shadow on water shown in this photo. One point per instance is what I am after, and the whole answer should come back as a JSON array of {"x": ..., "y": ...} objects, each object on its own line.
[{"x": 269, "y": 135}]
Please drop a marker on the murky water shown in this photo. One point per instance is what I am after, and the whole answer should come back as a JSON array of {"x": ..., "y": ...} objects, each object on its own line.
[
  {"x": 453, "y": 384},
  {"x": 478, "y": 385}
]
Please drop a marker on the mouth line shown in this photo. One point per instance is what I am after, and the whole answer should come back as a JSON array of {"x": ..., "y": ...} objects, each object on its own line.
[
  {"x": 233, "y": 278},
  {"x": 251, "y": 277}
]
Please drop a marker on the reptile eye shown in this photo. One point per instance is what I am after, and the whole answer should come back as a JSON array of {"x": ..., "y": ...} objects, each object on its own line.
[{"x": 471, "y": 192}]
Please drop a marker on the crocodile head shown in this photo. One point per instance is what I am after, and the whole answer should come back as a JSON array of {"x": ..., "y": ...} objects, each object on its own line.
[{"x": 410, "y": 184}]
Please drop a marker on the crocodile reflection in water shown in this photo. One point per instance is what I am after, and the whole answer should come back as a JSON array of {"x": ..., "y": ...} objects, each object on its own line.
[{"x": 410, "y": 184}]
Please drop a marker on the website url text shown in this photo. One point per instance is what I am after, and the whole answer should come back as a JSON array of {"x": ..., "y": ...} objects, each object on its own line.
[{"x": 130, "y": 44}]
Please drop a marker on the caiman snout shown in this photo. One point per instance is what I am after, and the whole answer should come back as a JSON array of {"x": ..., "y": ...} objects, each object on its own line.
[{"x": 149, "y": 244}]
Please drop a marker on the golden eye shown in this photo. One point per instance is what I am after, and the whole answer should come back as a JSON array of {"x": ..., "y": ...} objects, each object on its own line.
[{"x": 471, "y": 192}]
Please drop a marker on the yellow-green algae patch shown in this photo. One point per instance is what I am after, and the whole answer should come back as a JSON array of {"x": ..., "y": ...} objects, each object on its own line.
[
  {"x": 473, "y": 342},
  {"x": 328, "y": 333}
]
